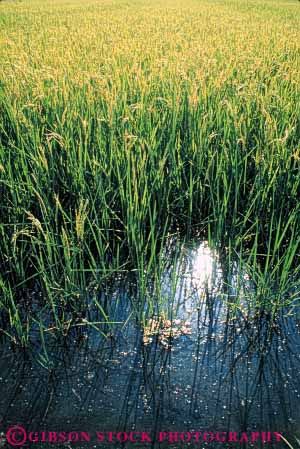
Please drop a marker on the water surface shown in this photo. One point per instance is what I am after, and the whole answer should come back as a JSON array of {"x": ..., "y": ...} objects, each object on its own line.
[{"x": 208, "y": 361}]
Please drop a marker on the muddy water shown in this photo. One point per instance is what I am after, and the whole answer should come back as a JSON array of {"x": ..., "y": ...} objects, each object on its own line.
[{"x": 209, "y": 366}]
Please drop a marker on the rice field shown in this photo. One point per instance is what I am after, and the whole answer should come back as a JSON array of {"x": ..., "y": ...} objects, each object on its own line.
[{"x": 124, "y": 123}]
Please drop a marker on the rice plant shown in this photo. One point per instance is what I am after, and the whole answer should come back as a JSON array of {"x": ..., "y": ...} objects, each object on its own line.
[{"x": 122, "y": 122}]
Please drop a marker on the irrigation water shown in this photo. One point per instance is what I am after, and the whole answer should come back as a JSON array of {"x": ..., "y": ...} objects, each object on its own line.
[{"x": 214, "y": 369}]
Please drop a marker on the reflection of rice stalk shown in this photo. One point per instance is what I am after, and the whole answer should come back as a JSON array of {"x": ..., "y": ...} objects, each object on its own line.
[
  {"x": 289, "y": 444},
  {"x": 165, "y": 330}
]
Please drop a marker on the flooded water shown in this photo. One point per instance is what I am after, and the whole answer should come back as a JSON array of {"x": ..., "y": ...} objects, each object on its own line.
[{"x": 210, "y": 366}]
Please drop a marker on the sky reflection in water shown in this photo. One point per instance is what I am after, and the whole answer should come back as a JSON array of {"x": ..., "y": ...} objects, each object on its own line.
[{"x": 236, "y": 369}]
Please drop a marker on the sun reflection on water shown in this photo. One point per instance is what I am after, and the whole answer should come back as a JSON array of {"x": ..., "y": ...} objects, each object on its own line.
[{"x": 206, "y": 268}]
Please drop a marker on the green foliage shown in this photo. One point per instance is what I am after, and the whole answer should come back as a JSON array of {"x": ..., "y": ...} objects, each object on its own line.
[{"x": 121, "y": 122}]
